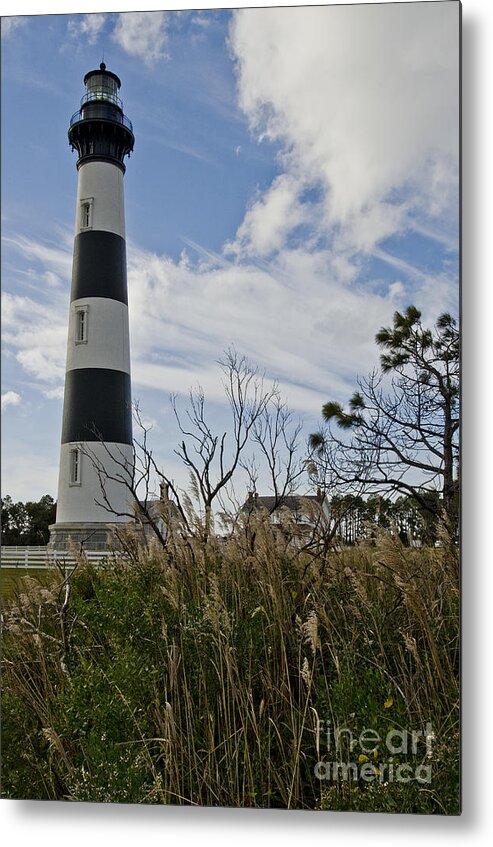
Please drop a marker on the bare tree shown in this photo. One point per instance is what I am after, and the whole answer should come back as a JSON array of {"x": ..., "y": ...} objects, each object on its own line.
[
  {"x": 213, "y": 457},
  {"x": 277, "y": 437},
  {"x": 260, "y": 419},
  {"x": 138, "y": 477}
]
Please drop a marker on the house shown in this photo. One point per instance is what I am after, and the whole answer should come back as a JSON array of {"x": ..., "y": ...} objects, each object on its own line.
[
  {"x": 307, "y": 510},
  {"x": 160, "y": 512}
]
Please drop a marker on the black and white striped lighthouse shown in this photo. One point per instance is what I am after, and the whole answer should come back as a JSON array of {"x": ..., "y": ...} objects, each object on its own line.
[{"x": 96, "y": 449}]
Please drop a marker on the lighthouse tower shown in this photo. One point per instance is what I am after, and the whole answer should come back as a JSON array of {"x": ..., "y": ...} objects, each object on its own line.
[{"x": 96, "y": 451}]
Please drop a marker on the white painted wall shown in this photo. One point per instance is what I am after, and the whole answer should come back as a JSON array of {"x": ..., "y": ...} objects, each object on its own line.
[
  {"x": 103, "y": 183},
  {"x": 107, "y": 343},
  {"x": 76, "y": 503}
]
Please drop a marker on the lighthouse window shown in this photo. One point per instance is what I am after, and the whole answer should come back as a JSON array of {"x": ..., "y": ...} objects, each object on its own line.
[
  {"x": 75, "y": 466},
  {"x": 81, "y": 325},
  {"x": 86, "y": 214}
]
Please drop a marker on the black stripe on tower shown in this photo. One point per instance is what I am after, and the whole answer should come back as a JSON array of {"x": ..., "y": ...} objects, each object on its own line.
[
  {"x": 97, "y": 406},
  {"x": 99, "y": 267}
]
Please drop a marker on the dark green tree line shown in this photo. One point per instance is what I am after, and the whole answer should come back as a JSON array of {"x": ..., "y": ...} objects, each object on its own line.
[{"x": 27, "y": 523}]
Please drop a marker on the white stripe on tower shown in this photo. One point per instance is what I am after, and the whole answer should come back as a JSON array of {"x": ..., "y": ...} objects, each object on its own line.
[
  {"x": 106, "y": 327},
  {"x": 97, "y": 417},
  {"x": 104, "y": 180}
]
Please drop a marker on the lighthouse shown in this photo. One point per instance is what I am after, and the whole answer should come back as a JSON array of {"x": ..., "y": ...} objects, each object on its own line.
[{"x": 96, "y": 455}]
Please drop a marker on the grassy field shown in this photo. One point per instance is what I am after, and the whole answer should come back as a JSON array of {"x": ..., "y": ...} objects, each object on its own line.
[{"x": 217, "y": 674}]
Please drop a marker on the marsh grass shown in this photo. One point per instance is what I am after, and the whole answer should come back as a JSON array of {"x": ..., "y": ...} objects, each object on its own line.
[
  {"x": 201, "y": 674},
  {"x": 10, "y": 578}
]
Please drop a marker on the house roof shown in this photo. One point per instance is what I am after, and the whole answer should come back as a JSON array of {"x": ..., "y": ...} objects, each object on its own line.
[
  {"x": 157, "y": 508},
  {"x": 294, "y": 503}
]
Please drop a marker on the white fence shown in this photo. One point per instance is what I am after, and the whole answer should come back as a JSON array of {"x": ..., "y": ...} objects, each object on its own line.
[{"x": 24, "y": 558}]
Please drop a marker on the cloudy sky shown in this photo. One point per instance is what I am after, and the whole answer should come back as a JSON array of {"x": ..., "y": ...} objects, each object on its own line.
[{"x": 294, "y": 181}]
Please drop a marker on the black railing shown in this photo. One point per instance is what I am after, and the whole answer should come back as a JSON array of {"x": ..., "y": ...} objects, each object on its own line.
[{"x": 100, "y": 112}]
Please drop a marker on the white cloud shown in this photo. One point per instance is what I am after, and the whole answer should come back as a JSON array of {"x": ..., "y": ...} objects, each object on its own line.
[
  {"x": 10, "y": 398},
  {"x": 270, "y": 219},
  {"x": 294, "y": 318},
  {"x": 87, "y": 26},
  {"x": 37, "y": 333},
  {"x": 34, "y": 327},
  {"x": 9, "y": 24},
  {"x": 57, "y": 262},
  {"x": 143, "y": 34},
  {"x": 202, "y": 19},
  {"x": 363, "y": 100},
  {"x": 54, "y": 393}
]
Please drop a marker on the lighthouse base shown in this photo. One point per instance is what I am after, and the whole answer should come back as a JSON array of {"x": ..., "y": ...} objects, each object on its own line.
[{"x": 83, "y": 537}]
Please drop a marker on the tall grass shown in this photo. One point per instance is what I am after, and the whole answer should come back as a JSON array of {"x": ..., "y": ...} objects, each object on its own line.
[{"x": 207, "y": 673}]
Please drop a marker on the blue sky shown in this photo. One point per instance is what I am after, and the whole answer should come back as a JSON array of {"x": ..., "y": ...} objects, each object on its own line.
[{"x": 294, "y": 181}]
